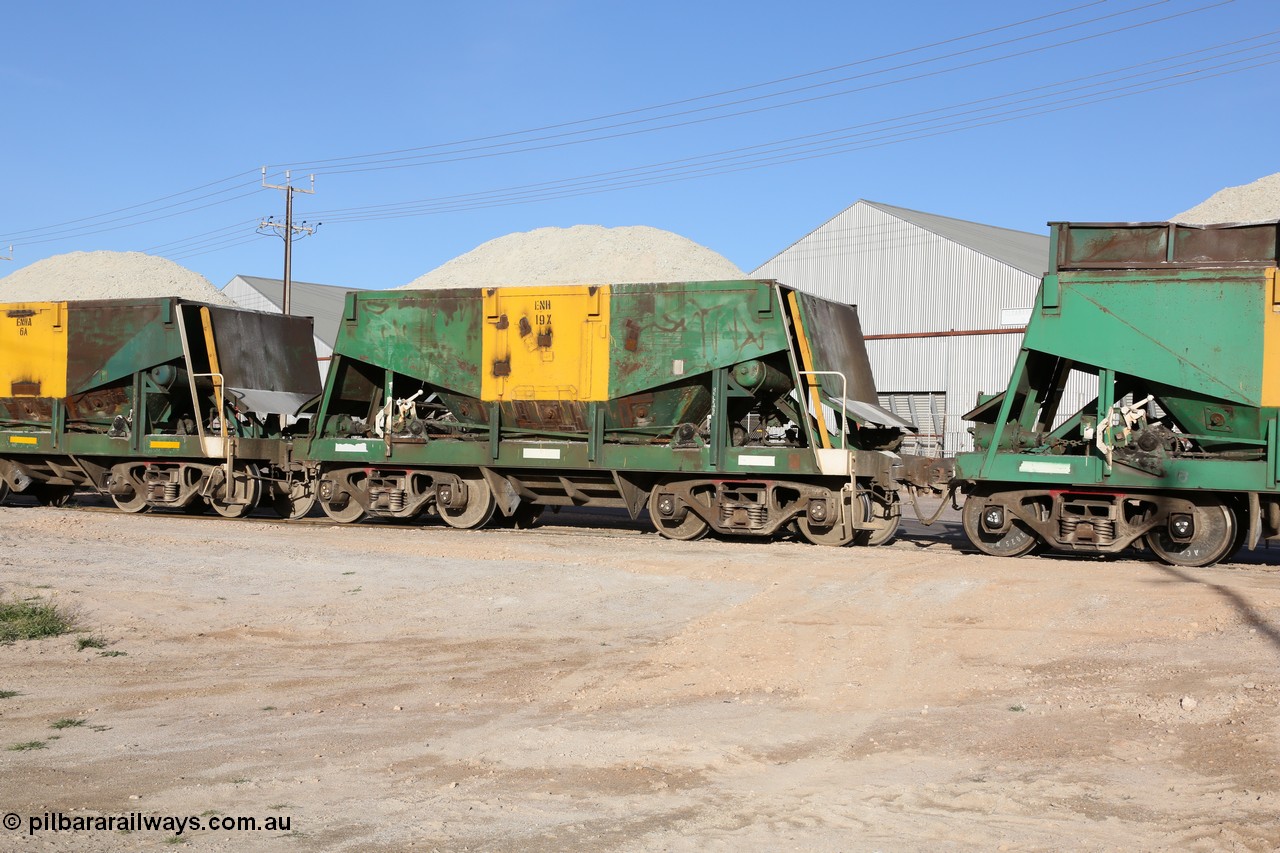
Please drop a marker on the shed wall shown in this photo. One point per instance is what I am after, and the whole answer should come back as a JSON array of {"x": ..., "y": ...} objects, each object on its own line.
[{"x": 906, "y": 279}]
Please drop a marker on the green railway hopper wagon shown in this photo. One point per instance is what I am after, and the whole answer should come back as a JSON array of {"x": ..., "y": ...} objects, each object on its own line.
[
  {"x": 741, "y": 407},
  {"x": 155, "y": 402},
  {"x": 1178, "y": 329}
]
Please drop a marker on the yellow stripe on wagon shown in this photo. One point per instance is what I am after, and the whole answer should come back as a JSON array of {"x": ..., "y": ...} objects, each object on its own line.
[
  {"x": 165, "y": 445},
  {"x": 23, "y": 439},
  {"x": 1271, "y": 340}
]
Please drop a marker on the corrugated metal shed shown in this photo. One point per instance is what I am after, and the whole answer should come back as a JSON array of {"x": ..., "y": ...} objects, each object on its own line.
[
  {"x": 943, "y": 301},
  {"x": 323, "y": 302}
]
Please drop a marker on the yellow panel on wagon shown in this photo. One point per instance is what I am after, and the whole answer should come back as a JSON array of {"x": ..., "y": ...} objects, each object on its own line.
[
  {"x": 546, "y": 343},
  {"x": 33, "y": 349}
]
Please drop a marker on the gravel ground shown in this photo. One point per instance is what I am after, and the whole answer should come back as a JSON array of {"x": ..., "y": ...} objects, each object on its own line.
[{"x": 598, "y": 688}]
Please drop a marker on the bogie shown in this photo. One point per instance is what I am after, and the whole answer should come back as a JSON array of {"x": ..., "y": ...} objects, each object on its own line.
[{"x": 1180, "y": 529}]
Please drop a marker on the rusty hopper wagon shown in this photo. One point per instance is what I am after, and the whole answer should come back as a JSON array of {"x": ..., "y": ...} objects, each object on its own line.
[
  {"x": 156, "y": 402},
  {"x": 740, "y": 407},
  {"x": 1179, "y": 327}
]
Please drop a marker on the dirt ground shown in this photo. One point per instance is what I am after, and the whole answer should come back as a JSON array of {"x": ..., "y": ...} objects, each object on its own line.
[{"x": 599, "y": 688}]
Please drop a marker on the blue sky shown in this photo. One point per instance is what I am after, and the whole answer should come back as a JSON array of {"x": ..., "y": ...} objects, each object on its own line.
[{"x": 115, "y": 113}]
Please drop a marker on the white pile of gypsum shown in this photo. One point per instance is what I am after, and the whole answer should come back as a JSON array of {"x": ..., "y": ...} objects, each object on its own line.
[
  {"x": 1255, "y": 202},
  {"x": 582, "y": 254},
  {"x": 106, "y": 275}
]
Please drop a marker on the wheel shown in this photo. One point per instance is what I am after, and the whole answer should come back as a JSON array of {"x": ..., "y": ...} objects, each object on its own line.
[
  {"x": 1214, "y": 538},
  {"x": 687, "y": 529},
  {"x": 836, "y": 536},
  {"x": 335, "y": 494},
  {"x": 47, "y": 495},
  {"x": 348, "y": 513},
  {"x": 1014, "y": 542},
  {"x": 478, "y": 511},
  {"x": 882, "y": 535},
  {"x": 244, "y": 486},
  {"x": 1241, "y": 510},
  {"x": 4, "y": 491},
  {"x": 133, "y": 500},
  {"x": 294, "y": 499}
]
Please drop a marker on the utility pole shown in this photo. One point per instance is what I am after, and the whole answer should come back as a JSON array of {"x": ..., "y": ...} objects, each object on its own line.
[{"x": 287, "y": 229}]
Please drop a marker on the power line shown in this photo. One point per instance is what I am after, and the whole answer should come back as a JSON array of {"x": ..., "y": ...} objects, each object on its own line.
[
  {"x": 697, "y": 98},
  {"x": 527, "y": 145},
  {"x": 769, "y": 154},
  {"x": 828, "y": 133},
  {"x": 45, "y": 230},
  {"x": 892, "y": 139},
  {"x": 766, "y": 154},
  {"x": 697, "y": 166},
  {"x": 90, "y": 230},
  {"x": 764, "y": 162},
  {"x": 228, "y": 244},
  {"x": 174, "y": 244},
  {"x": 101, "y": 223},
  {"x": 50, "y": 231}
]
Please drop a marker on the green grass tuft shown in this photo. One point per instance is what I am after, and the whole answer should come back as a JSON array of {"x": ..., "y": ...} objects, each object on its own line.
[
  {"x": 92, "y": 642},
  {"x": 29, "y": 745},
  {"x": 66, "y": 723},
  {"x": 34, "y": 619}
]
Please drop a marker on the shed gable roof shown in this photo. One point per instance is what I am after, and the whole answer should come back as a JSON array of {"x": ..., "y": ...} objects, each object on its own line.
[{"x": 1019, "y": 249}]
